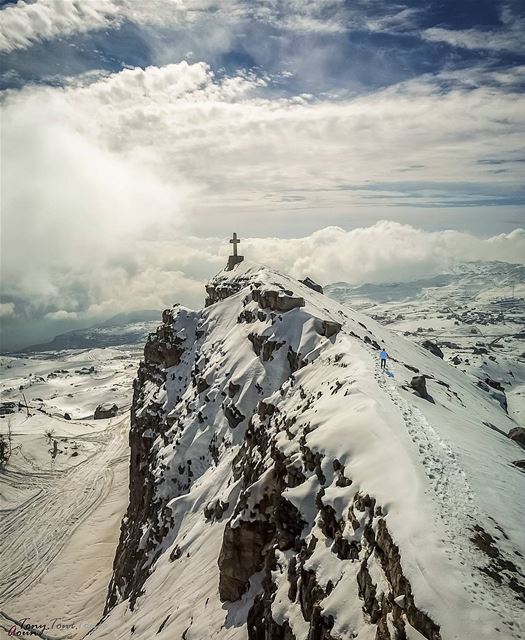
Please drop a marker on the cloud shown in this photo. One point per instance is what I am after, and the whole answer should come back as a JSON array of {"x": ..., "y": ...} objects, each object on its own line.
[
  {"x": 26, "y": 22},
  {"x": 507, "y": 37},
  {"x": 7, "y": 309},
  {"x": 384, "y": 252},
  {"x": 116, "y": 191}
]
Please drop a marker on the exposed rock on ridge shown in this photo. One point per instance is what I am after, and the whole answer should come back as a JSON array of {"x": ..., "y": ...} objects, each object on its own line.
[{"x": 278, "y": 479}]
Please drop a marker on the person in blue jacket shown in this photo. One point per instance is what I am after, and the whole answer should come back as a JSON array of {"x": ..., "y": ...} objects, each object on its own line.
[{"x": 384, "y": 357}]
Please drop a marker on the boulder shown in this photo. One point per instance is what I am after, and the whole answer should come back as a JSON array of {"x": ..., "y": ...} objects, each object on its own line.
[
  {"x": 277, "y": 300},
  {"x": 233, "y": 415},
  {"x": 67, "y": 416},
  {"x": 518, "y": 435},
  {"x": 328, "y": 328},
  {"x": 433, "y": 348},
  {"x": 419, "y": 384},
  {"x": 312, "y": 285},
  {"x": 106, "y": 410}
]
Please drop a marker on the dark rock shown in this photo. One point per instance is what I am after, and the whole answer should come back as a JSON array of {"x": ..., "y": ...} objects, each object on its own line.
[
  {"x": 233, "y": 389},
  {"x": 233, "y": 415},
  {"x": 479, "y": 351},
  {"x": 312, "y": 285},
  {"x": 433, "y": 348},
  {"x": 372, "y": 342},
  {"x": 241, "y": 556},
  {"x": 518, "y": 435},
  {"x": 419, "y": 384},
  {"x": 67, "y": 416},
  {"x": 265, "y": 409},
  {"x": 202, "y": 385},
  {"x": 263, "y": 346},
  {"x": 328, "y": 328},
  {"x": 277, "y": 300},
  {"x": 494, "y": 384},
  {"x": 105, "y": 410}
]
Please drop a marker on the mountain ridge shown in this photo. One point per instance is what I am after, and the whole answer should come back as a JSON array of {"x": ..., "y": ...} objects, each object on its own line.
[{"x": 282, "y": 486}]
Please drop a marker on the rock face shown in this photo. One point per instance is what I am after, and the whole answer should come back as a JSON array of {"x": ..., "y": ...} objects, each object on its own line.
[
  {"x": 433, "y": 348},
  {"x": 277, "y": 481},
  {"x": 518, "y": 435},
  {"x": 312, "y": 285},
  {"x": 148, "y": 421},
  {"x": 277, "y": 300},
  {"x": 419, "y": 384},
  {"x": 106, "y": 410}
]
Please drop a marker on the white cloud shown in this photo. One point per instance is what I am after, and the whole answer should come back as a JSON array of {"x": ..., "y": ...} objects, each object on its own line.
[
  {"x": 7, "y": 309},
  {"x": 61, "y": 314},
  {"x": 26, "y": 22},
  {"x": 107, "y": 184},
  {"x": 508, "y": 37},
  {"x": 384, "y": 252}
]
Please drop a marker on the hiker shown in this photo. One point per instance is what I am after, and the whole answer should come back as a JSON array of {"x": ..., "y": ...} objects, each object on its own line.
[{"x": 384, "y": 357}]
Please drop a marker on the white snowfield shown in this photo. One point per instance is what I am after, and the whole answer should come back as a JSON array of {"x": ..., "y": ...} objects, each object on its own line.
[
  {"x": 60, "y": 514},
  {"x": 475, "y": 314},
  {"x": 441, "y": 474}
]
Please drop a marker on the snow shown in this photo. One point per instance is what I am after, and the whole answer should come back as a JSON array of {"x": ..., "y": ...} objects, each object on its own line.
[
  {"x": 60, "y": 517},
  {"x": 436, "y": 470}
]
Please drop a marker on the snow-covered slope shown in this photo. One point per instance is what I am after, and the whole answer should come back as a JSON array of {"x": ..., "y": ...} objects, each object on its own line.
[
  {"x": 63, "y": 488},
  {"x": 282, "y": 486},
  {"x": 475, "y": 315},
  {"x": 123, "y": 329}
]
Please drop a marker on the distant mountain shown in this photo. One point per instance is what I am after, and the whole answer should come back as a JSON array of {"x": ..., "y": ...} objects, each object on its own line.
[
  {"x": 465, "y": 281},
  {"x": 474, "y": 315},
  {"x": 130, "y": 327}
]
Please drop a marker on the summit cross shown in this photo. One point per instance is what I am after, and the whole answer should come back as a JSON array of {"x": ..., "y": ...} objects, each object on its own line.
[{"x": 235, "y": 242}]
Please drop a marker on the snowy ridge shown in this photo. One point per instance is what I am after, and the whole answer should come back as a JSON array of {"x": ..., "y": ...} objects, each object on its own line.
[{"x": 283, "y": 486}]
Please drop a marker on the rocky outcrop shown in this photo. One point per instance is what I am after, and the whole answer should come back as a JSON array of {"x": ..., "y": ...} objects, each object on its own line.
[
  {"x": 312, "y": 285},
  {"x": 163, "y": 348},
  {"x": 518, "y": 435},
  {"x": 276, "y": 300},
  {"x": 433, "y": 348},
  {"x": 250, "y": 431},
  {"x": 106, "y": 410},
  {"x": 328, "y": 328},
  {"x": 147, "y": 511},
  {"x": 419, "y": 385}
]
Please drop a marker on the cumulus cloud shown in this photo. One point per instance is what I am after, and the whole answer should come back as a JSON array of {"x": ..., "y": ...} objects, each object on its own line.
[
  {"x": 384, "y": 252},
  {"x": 117, "y": 191},
  {"x": 26, "y": 22}
]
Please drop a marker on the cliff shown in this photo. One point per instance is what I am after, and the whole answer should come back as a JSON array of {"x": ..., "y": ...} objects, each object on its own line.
[{"x": 283, "y": 487}]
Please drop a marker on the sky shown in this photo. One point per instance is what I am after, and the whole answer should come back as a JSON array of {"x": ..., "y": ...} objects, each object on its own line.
[{"x": 364, "y": 141}]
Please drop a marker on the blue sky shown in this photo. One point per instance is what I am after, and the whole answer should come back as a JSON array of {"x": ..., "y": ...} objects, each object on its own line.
[{"x": 130, "y": 123}]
